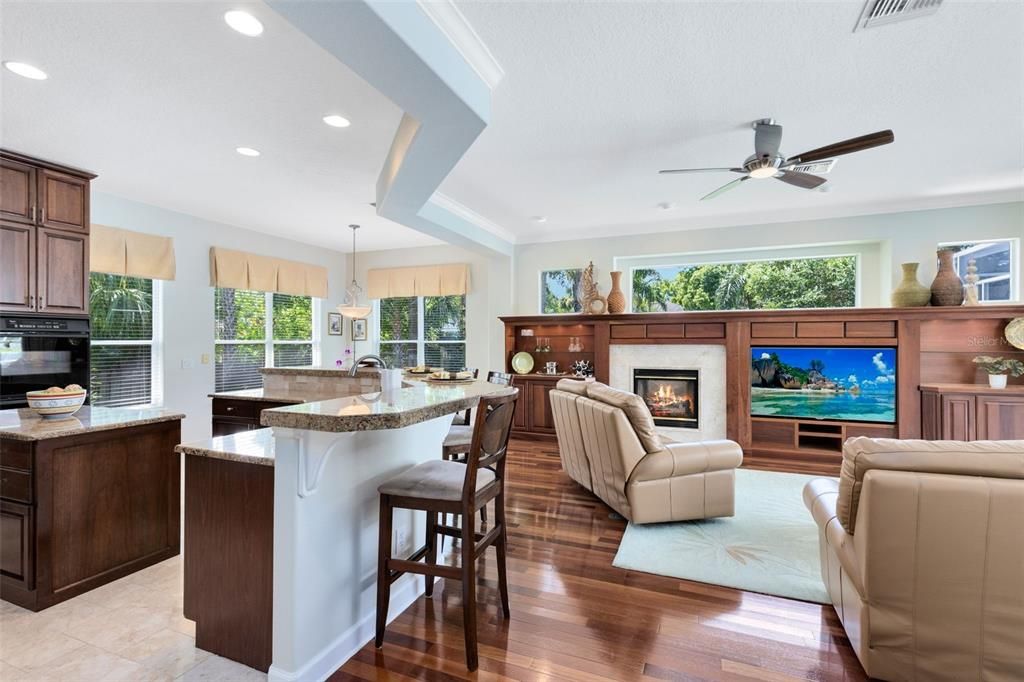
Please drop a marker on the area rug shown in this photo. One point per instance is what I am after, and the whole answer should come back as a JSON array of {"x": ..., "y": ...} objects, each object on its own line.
[{"x": 769, "y": 546}]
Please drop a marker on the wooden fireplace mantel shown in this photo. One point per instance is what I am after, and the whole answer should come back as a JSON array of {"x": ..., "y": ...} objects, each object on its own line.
[{"x": 934, "y": 345}]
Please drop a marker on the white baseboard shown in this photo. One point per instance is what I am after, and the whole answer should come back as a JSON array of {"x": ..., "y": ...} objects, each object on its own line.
[{"x": 403, "y": 593}]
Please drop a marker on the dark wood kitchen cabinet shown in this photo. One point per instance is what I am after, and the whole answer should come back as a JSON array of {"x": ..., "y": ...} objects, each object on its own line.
[
  {"x": 233, "y": 416},
  {"x": 533, "y": 417},
  {"x": 82, "y": 510},
  {"x": 44, "y": 236}
]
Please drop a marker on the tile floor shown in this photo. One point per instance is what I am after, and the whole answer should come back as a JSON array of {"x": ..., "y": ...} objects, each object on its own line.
[{"x": 131, "y": 629}]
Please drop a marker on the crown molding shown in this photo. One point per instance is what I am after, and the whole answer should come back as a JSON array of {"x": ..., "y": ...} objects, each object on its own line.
[
  {"x": 792, "y": 215},
  {"x": 470, "y": 216},
  {"x": 447, "y": 17}
]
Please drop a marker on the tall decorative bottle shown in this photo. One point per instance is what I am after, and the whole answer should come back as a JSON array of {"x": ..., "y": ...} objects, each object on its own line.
[
  {"x": 947, "y": 289},
  {"x": 616, "y": 299}
]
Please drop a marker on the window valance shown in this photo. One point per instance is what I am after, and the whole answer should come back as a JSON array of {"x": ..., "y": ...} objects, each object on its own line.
[
  {"x": 451, "y": 279},
  {"x": 117, "y": 251},
  {"x": 241, "y": 270}
]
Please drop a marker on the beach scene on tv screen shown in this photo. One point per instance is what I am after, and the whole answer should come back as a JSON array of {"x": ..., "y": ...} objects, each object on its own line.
[{"x": 849, "y": 384}]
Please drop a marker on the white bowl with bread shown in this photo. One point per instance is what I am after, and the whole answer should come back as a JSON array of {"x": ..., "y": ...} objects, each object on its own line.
[{"x": 56, "y": 402}]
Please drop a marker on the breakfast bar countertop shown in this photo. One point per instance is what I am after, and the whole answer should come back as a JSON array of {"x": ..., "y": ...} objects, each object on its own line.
[
  {"x": 24, "y": 424},
  {"x": 247, "y": 447},
  {"x": 417, "y": 402}
]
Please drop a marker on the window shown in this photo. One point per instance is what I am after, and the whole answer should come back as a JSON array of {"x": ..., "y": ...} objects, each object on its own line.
[
  {"x": 560, "y": 291},
  {"x": 825, "y": 282},
  {"x": 255, "y": 329},
  {"x": 425, "y": 330},
  {"x": 124, "y": 359},
  {"x": 994, "y": 260}
]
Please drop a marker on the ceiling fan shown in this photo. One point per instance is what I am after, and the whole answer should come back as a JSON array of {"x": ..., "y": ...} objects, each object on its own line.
[{"x": 766, "y": 162}]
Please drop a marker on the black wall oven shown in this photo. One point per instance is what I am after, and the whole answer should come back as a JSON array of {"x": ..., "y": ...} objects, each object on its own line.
[{"x": 40, "y": 352}]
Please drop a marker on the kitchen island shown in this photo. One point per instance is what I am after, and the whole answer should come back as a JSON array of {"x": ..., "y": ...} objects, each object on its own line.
[
  {"x": 303, "y": 568},
  {"x": 85, "y": 500}
]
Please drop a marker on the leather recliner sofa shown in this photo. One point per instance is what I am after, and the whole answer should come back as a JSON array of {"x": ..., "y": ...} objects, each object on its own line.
[
  {"x": 608, "y": 444},
  {"x": 922, "y": 552}
]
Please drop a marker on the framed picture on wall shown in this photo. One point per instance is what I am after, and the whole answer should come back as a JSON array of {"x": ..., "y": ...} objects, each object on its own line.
[
  {"x": 334, "y": 324},
  {"x": 359, "y": 330}
]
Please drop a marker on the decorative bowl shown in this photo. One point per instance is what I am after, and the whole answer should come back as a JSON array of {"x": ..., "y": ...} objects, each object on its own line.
[
  {"x": 522, "y": 363},
  {"x": 56, "y": 404}
]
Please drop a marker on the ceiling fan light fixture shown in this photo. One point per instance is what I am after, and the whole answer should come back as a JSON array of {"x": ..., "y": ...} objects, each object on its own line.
[{"x": 763, "y": 172}]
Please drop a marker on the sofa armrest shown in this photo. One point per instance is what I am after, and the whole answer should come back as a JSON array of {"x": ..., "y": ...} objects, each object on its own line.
[
  {"x": 685, "y": 459},
  {"x": 820, "y": 497}
]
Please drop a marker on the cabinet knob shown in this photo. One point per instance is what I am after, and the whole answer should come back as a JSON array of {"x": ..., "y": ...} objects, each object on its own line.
[
  {"x": 33, "y": 213},
  {"x": 229, "y": 409}
]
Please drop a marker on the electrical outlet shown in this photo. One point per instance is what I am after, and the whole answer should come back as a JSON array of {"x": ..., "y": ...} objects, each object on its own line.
[
  {"x": 188, "y": 363},
  {"x": 401, "y": 547}
]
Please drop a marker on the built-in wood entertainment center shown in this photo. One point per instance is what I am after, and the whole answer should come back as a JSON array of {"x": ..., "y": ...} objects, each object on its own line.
[{"x": 933, "y": 346}]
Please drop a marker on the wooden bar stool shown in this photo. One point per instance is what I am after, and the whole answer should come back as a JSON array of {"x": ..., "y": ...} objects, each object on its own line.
[
  {"x": 445, "y": 487},
  {"x": 456, "y": 443}
]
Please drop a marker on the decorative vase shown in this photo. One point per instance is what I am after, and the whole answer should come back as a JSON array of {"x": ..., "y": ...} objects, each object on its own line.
[
  {"x": 616, "y": 299},
  {"x": 997, "y": 380},
  {"x": 910, "y": 293},
  {"x": 947, "y": 289}
]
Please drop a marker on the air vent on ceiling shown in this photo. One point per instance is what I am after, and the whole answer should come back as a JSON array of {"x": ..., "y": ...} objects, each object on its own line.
[
  {"x": 881, "y": 12},
  {"x": 818, "y": 167}
]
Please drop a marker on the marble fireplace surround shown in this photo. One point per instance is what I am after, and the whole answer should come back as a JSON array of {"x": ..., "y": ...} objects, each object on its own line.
[{"x": 708, "y": 359}]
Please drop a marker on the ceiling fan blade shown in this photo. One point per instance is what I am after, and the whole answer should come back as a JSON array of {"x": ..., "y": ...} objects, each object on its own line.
[
  {"x": 805, "y": 180},
  {"x": 767, "y": 137},
  {"x": 700, "y": 170},
  {"x": 724, "y": 188},
  {"x": 855, "y": 144}
]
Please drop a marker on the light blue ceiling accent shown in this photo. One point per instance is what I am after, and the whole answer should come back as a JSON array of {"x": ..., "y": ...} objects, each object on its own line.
[{"x": 399, "y": 50}]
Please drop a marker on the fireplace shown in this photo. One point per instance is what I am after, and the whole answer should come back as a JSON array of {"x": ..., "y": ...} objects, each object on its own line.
[{"x": 670, "y": 394}]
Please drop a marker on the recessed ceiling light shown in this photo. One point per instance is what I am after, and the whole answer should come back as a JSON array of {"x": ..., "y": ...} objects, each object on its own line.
[
  {"x": 538, "y": 219},
  {"x": 243, "y": 22},
  {"x": 25, "y": 70},
  {"x": 336, "y": 121},
  {"x": 247, "y": 151}
]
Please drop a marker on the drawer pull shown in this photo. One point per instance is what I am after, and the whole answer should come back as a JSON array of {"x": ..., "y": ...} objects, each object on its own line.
[{"x": 229, "y": 409}]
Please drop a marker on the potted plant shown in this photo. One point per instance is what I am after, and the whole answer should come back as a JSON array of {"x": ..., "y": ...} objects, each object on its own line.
[{"x": 999, "y": 368}]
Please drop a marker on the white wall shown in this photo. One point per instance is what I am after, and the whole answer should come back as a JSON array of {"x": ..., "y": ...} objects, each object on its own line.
[
  {"x": 489, "y": 296},
  {"x": 188, "y": 329},
  {"x": 883, "y": 242}
]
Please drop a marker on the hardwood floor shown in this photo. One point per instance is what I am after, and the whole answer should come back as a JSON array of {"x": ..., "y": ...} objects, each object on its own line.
[{"x": 576, "y": 617}]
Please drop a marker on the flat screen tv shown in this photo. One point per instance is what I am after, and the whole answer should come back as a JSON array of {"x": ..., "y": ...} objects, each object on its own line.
[{"x": 830, "y": 383}]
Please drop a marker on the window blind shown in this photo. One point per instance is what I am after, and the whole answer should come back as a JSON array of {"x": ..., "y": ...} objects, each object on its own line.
[
  {"x": 124, "y": 365},
  {"x": 254, "y": 329},
  {"x": 425, "y": 330}
]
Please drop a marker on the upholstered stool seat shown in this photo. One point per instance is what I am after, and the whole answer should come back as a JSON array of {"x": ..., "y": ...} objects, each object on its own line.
[
  {"x": 458, "y": 439},
  {"x": 435, "y": 480}
]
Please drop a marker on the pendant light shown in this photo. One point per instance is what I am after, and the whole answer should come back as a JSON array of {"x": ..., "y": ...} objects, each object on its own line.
[{"x": 354, "y": 305}]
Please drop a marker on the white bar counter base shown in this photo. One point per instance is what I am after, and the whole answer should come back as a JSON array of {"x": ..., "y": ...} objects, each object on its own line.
[{"x": 330, "y": 456}]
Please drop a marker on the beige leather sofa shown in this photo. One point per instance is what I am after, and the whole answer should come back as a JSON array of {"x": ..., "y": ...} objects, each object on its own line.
[
  {"x": 608, "y": 444},
  {"x": 922, "y": 551}
]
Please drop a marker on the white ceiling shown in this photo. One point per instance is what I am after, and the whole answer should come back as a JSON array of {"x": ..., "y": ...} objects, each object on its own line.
[
  {"x": 156, "y": 96},
  {"x": 598, "y": 96}
]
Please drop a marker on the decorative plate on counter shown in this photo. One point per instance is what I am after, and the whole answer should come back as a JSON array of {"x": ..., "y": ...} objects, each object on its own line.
[
  {"x": 522, "y": 362},
  {"x": 445, "y": 377},
  {"x": 1015, "y": 333},
  {"x": 419, "y": 370}
]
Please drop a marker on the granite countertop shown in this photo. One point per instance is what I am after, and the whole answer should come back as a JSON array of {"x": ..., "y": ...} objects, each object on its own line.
[
  {"x": 247, "y": 447},
  {"x": 418, "y": 402},
  {"x": 25, "y": 424},
  {"x": 321, "y": 371},
  {"x": 262, "y": 395}
]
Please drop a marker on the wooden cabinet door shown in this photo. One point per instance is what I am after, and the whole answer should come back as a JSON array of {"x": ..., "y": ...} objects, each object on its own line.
[
  {"x": 540, "y": 416},
  {"x": 62, "y": 272},
  {"x": 17, "y": 192},
  {"x": 16, "y": 544},
  {"x": 63, "y": 201},
  {"x": 17, "y": 267},
  {"x": 1000, "y": 418},
  {"x": 520, "y": 418},
  {"x": 958, "y": 417}
]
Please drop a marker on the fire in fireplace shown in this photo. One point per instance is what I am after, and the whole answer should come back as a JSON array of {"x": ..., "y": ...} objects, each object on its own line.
[{"x": 670, "y": 394}]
